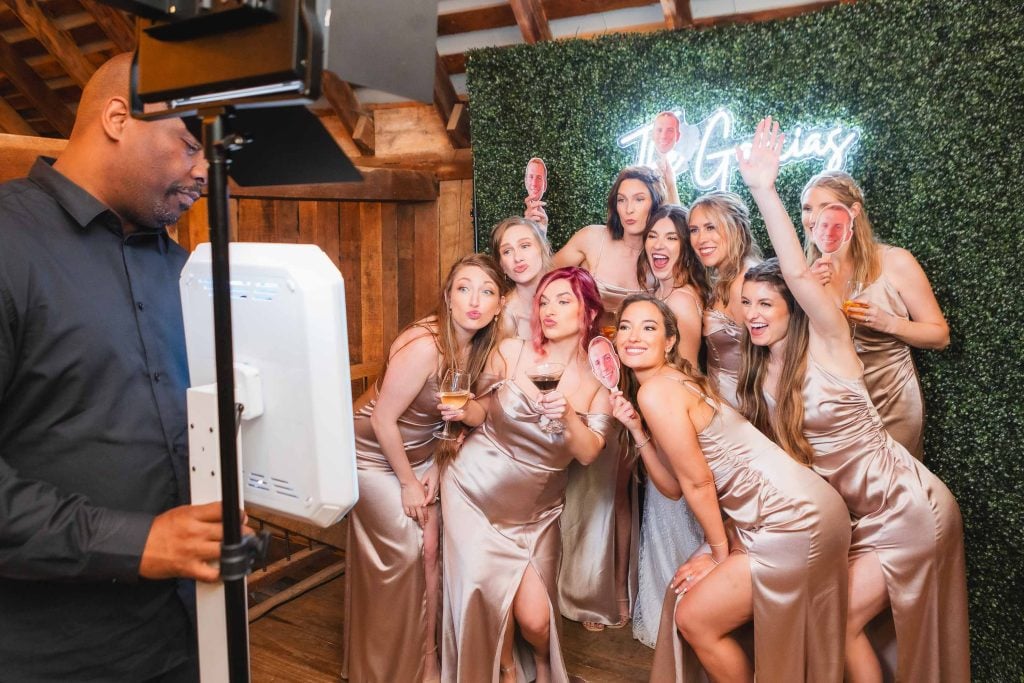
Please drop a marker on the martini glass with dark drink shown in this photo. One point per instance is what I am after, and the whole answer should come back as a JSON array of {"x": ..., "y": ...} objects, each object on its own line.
[
  {"x": 454, "y": 393},
  {"x": 546, "y": 377}
]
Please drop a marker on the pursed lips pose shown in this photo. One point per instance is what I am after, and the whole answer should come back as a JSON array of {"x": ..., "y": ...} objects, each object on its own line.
[
  {"x": 393, "y": 582},
  {"x": 802, "y": 383},
  {"x": 522, "y": 249},
  {"x": 784, "y": 567}
]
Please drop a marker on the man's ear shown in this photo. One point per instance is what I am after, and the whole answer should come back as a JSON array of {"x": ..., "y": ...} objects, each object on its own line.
[{"x": 115, "y": 117}]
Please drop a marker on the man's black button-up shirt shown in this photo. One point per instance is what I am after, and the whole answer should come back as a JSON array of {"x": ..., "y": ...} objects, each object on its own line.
[{"x": 92, "y": 434}]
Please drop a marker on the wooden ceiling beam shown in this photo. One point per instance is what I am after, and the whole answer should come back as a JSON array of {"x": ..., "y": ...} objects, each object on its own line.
[
  {"x": 358, "y": 123},
  {"x": 452, "y": 111},
  {"x": 532, "y": 20},
  {"x": 768, "y": 14},
  {"x": 57, "y": 42},
  {"x": 500, "y": 14},
  {"x": 47, "y": 102},
  {"x": 118, "y": 27},
  {"x": 11, "y": 121},
  {"x": 677, "y": 13}
]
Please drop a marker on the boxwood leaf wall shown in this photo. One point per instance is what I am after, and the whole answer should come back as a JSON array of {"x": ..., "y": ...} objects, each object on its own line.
[{"x": 935, "y": 87}]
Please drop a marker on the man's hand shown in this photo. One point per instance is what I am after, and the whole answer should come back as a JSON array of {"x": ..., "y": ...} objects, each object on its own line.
[{"x": 182, "y": 542}]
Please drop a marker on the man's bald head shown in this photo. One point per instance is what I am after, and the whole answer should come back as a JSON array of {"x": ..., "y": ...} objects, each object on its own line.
[{"x": 110, "y": 80}]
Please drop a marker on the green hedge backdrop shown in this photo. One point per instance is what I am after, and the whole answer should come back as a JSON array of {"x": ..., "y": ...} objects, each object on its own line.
[{"x": 935, "y": 87}]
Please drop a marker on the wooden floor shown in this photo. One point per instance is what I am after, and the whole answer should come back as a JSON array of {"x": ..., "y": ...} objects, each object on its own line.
[{"x": 300, "y": 642}]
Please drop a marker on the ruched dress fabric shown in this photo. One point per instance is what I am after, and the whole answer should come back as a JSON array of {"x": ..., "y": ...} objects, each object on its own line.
[
  {"x": 385, "y": 590},
  {"x": 724, "y": 339},
  {"x": 889, "y": 371},
  {"x": 586, "y": 582},
  {"x": 501, "y": 500},
  {"x": 796, "y": 532},
  {"x": 905, "y": 515}
]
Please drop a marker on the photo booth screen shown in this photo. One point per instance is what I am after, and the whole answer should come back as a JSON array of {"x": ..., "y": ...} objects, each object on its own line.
[{"x": 292, "y": 374}]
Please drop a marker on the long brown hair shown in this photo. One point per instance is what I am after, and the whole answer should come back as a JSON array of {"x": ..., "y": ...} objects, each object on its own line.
[
  {"x": 785, "y": 424},
  {"x": 655, "y": 187},
  {"x": 867, "y": 264},
  {"x": 688, "y": 269},
  {"x": 441, "y": 326},
  {"x": 629, "y": 384},
  {"x": 732, "y": 218}
]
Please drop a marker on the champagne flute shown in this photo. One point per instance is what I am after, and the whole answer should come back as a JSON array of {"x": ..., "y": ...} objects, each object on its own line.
[
  {"x": 546, "y": 377},
  {"x": 454, "y": 393},
  {"x": 854, "y": 288}
]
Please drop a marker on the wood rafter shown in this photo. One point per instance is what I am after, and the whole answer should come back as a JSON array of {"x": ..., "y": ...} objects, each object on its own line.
[
  {"x": 11, "y": 121},
  {"x": 35, "y": 89},
  {"x": 532, "y": 20},
  {"x": 454, "y": 115},
  {"x": 358, "y": 123},
  {"x": 118, "y": 27},
  {"x": 677, "y": 13},
  {"x": 57, "y": 41}
]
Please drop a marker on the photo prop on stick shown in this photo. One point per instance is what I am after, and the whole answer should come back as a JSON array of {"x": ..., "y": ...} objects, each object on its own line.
[
  {"x": 833, "y": 228},
  {"x": 604, "y": 362}
]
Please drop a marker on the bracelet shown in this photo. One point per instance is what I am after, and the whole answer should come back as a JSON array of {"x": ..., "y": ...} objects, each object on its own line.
[
  {"x": 715, "y": 561},
  {"x": 644, "y": 442},
  {"x": 717, "y": 545}
]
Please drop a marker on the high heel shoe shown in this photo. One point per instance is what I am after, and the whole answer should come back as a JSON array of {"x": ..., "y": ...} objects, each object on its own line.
[{"x": 624, "y": 616}]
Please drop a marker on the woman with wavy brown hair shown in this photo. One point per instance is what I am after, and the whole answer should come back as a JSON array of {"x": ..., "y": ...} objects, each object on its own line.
[
  {"x": 721, "y": 239},
  {"x": 894, "y": 307},
  {"x": 802, "y": 384},
  {"x": 522, "y": 250},
  {"x": 783, "y": 568},
  {"x": 393, "y": 532}
]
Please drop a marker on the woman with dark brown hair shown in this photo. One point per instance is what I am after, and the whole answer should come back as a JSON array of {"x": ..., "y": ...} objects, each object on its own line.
[
  {"x": 393, "y": 532},
  {"x": 783, "y": 567},
  {"x": 802, "y": 384}
]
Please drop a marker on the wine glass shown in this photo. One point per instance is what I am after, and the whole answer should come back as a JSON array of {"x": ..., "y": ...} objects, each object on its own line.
[
  {"x": 546, "y": 377},
  {"x": 454, "y": 393},
  {"x": 854, "y": 288}
]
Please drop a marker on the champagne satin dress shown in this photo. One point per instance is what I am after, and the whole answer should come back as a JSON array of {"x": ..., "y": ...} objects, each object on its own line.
[
  {"x": 905, "y": 515},
  {"x": 385, "y": 589},
  {"x": 501, "y": 499},
  {"x": 724, "y": 339},
  {"x": 889, "y": 371},
  {"x": 796, "y": 532}
]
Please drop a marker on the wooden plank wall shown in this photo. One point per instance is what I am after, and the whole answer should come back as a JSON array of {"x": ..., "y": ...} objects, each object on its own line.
[{"x": 393, "y": 255}]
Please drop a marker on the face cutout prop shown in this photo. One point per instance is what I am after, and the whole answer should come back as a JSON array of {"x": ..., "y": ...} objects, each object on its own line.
[
  {"x": 833, "y": 228},
  {"x": 604, "y": 362},
  {"x": 536, "y": 179}
]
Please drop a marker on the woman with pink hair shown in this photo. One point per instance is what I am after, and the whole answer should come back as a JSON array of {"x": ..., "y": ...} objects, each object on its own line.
[{"x": 503, "y": 494}]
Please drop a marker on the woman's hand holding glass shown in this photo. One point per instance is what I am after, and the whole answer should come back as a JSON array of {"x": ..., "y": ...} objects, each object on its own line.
[{"x": 553, "y": 405}]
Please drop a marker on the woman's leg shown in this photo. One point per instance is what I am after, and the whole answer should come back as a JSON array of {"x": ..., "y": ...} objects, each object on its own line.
[
  {"x": 532, "y": 610},
  {"x": 868, "y": 597},
  {"x": 432, "y": 562},
  {"x": 720, "y": 602}
]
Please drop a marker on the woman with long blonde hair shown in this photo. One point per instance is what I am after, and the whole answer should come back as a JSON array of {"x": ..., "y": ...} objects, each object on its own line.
[
  {"x": 392, "y": 590},
  {"x": 894, "y": 307},
  {"x": 522, "y": 250},
  {"x": 721, "y": 239},
  {"x": 802, "y": 384},
  {"x": 502, "y": 495},
  {"x": 783, "y": 568}
]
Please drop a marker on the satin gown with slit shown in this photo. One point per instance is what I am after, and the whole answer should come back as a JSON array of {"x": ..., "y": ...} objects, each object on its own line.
[
  {"x": 889, "y": 371},
  {"x": 796, "y": 533},
  {"x": 905, "y": 515},
  {"x": 385, "y": 585},
  {"x": 724, "y": 339},
  {"x": 502, "y": 498}
]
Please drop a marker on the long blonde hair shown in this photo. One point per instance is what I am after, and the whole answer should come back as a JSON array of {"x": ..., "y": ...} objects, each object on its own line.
[
  {"x": 499, "y": 230},
  {"x": 785, "y": 424},
  {"x": 732, "y": 217},
  {"x": 867, "y": 264}
]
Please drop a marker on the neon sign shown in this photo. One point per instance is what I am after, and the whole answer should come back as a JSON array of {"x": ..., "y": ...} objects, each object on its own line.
[{"x": 706, "y": 150}]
